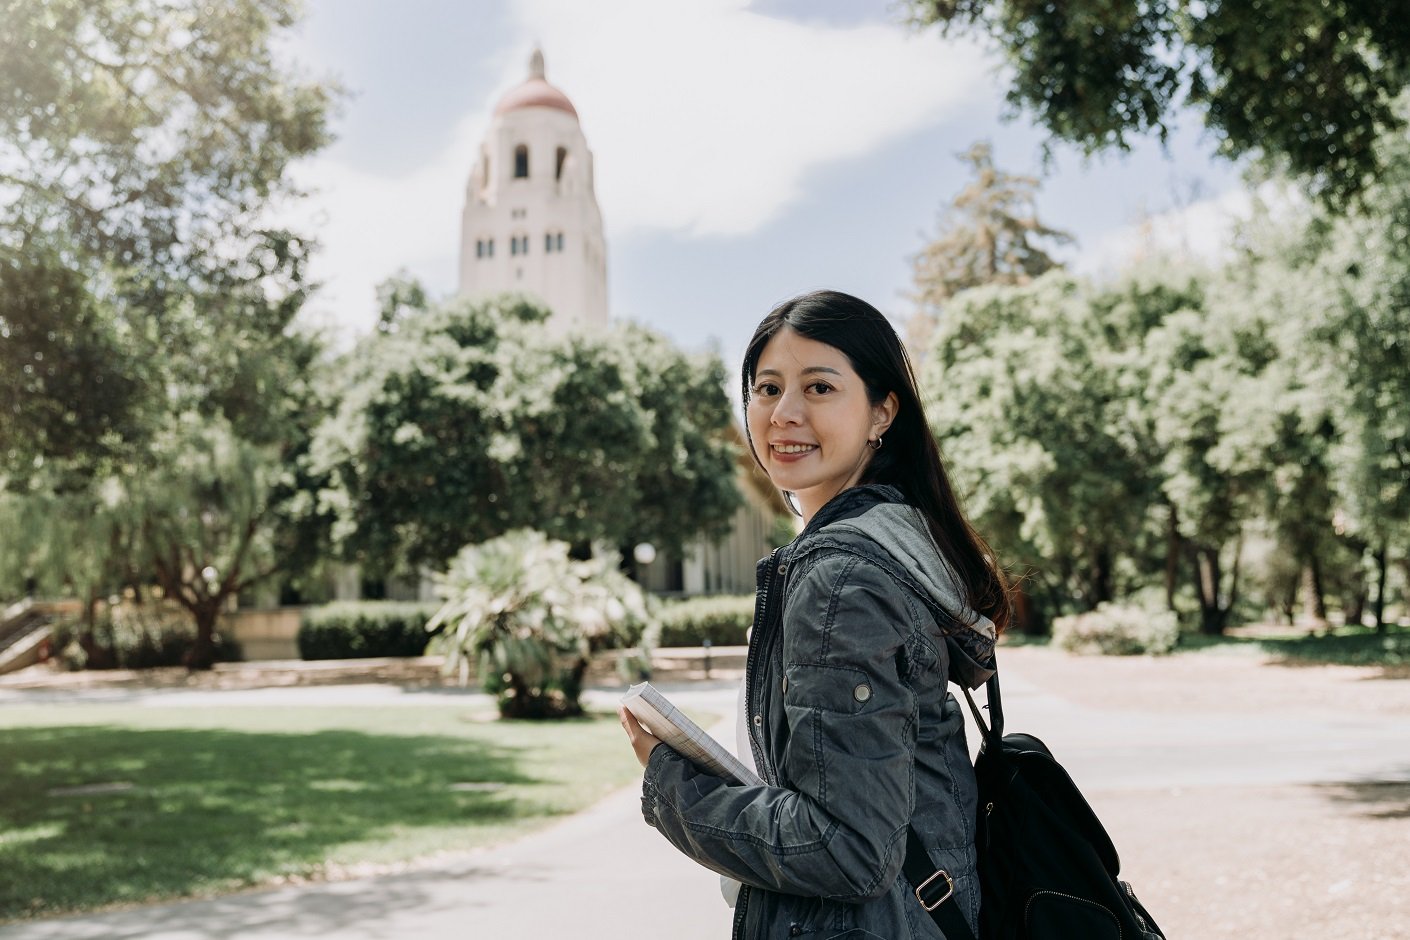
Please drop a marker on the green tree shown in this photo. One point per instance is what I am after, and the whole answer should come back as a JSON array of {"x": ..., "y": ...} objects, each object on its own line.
[
  {"x": 616, "y": 438},
  {"x": 1030, "y": 394},
  {"x": 142, "y": 146},
  {"x": 1311, "y": 83},
  {"x": 153, "y": 133}
]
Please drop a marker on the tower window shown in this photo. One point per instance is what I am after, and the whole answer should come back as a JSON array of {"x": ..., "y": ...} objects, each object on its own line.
[
  {"x": 558, "y": 164},
  {"x": 521, "y": 162},
  {"x": 489, "y": 248},
  {"x": 547, "y": 243},
  {"x": 479, "y": 248},
  {"x": 559, "y": 241}
]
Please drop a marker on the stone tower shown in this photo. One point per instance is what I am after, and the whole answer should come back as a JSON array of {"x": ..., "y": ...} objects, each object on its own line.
[{"x": 531, "y": 222}]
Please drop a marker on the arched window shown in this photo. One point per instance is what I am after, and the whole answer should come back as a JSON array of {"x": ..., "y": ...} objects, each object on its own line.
[
  {"x": 562, "y": 159},
  {"x": 521, "y": 162}
]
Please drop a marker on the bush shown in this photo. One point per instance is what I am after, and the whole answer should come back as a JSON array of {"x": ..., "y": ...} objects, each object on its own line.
[
  {"x": 364, "y": 629},
  {"x": 723, "y": 619},
  {"x": 134, "y": 638},
  {"x": 1118, "y": 630},
  {"x": 528, "y": 617}
]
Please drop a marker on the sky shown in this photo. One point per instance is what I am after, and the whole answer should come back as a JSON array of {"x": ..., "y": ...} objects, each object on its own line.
[{"x": 744, "y": 151}]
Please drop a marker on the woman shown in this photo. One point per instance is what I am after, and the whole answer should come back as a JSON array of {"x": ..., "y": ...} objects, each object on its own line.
[{"x": 859, "y": 623}]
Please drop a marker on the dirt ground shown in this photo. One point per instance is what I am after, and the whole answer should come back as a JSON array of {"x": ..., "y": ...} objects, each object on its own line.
[{"x": 1325, "y": 862}]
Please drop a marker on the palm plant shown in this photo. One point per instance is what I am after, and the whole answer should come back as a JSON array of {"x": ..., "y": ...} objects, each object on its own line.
[{"x": 525, "y": 615}]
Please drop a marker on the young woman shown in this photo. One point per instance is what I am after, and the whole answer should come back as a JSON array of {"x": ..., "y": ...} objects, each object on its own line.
[{"x": 885, "y": 596}]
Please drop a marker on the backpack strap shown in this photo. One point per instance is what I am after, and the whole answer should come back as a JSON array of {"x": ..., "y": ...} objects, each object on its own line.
[
  {"x": 993, "y": 729},
  {"x": 934, "y": 889}
]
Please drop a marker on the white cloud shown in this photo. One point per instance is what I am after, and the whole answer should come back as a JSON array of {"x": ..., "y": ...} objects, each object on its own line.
[
  {"x": 704, "y": 117},
  {"x": 1202, "y": 231}
]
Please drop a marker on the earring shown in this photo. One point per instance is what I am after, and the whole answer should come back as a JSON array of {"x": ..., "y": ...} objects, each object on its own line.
[{"x": 875, "y": 444}]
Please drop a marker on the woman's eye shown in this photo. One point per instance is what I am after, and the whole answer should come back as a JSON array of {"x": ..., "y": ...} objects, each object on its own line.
[
  {"x": 766, "y": 389},
  {"x": 821, "y": 388}
]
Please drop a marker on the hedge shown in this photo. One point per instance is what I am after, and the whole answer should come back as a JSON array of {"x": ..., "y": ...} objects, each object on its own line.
[
  {"x": 364, "y": 629},
  {"x": 723, "y": 619}
]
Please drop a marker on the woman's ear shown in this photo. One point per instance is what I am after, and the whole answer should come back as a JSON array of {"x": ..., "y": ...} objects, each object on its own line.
[{"x": 884, "y": 413}]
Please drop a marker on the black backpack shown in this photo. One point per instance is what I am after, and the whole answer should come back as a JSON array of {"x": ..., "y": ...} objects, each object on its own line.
[{"x": 1047, "y": 868}]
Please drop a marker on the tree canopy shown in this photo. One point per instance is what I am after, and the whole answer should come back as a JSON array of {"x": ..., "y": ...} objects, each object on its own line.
[
  {"x": 157, "y": 386},
  {"x": 1310, "y": 83},
  {"x": 470, "y": 420}
]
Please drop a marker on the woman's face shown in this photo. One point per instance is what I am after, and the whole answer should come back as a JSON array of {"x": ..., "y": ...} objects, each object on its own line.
[{"x": 810, "y": 419}]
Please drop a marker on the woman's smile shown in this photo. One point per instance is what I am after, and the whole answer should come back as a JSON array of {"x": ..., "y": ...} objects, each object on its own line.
[{"x": 789, "y": 451}]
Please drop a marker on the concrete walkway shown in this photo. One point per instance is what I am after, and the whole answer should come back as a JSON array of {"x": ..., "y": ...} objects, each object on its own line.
[{"x": 1221, "y": 814}]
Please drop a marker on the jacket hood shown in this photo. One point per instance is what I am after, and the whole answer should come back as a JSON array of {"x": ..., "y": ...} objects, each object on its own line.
[{"x": 880, "y": 514}]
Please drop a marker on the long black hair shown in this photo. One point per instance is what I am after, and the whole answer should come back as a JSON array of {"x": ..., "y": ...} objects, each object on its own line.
[{"x": 909, "y": 458}]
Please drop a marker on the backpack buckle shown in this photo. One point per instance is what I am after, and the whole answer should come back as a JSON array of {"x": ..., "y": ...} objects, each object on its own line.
[{"x": 949, "y": 890}]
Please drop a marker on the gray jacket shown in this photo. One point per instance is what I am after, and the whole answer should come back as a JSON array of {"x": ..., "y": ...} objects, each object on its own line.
[{"x": 858, "y": 625}]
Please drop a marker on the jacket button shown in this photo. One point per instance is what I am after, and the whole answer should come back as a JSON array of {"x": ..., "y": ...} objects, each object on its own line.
[
  {"x": 783, "y": 568},
  {"x": 794, "y": 930},
  {"x": 862, "y": 692},
  {"x": 758, "y": 721}
]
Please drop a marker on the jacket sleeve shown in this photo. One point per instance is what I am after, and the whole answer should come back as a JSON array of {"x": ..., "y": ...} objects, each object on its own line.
[{"x": 837, "y": 830}]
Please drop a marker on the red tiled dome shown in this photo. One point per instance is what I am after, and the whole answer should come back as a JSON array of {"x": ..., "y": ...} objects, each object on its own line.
[{"x": 534, "y": 93}]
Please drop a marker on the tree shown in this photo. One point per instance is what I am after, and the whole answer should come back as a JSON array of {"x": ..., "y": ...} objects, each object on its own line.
[
  {"x": 615, "y": 438},
  {"x": 990, "y": 235},
  {"x": 154, "y": 134},
  {"x": 1029, "y": 391},
  {"x": 1310, "y": 83},
  {"x": 142, "y": 146},
  {"x": 148, "y": 306}
]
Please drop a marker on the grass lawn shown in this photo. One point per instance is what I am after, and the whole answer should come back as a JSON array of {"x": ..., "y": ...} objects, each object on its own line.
[
  {"x": 119, "y": 804},
  {"x": 1344, "y": 646}
]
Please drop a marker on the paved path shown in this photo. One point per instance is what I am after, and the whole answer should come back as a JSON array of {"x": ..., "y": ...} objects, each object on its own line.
[{"x": 1223, "y": 815}]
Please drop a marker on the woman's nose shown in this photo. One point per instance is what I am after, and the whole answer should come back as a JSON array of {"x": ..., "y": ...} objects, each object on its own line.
[{"x": 788, "y": 410}]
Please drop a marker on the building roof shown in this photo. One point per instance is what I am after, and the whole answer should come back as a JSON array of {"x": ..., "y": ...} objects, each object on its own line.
[{"x": 535, "y": 92}]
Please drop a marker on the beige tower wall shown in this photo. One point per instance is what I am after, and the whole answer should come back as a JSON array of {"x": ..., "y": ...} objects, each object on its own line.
[{"x": 572, "y": 282}]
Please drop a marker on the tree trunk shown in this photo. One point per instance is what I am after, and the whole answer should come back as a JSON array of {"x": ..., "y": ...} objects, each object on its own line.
[
  {"x": 1101, "y": 577},
  {"x": 1207, "y": 573},
  {"x": 1027, "y": 615},
  {"x": 201, "y": 655},
  {"x": 1233, "y": 597},
  {"x": 1172, "y": 556},
  {"x": 1314, "y": 602},
  {"x": 1381, "y": 588},
  {"x": 94, "y": 656}
]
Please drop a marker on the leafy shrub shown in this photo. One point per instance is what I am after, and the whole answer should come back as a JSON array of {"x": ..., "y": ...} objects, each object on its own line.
[
  {"x": 1118, "y": 630},
  {"x": 722, "y": 619},
  {"x": 528, "y": 617},
  {"x": 364, "y": 629},
  {"x": 134, "y": 638}
]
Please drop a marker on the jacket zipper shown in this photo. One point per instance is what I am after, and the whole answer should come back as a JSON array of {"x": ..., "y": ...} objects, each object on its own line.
[{"x": 761, "y": 609}]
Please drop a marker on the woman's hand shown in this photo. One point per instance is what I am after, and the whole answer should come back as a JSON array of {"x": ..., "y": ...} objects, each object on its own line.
[{"x": 643, "y": 741}]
